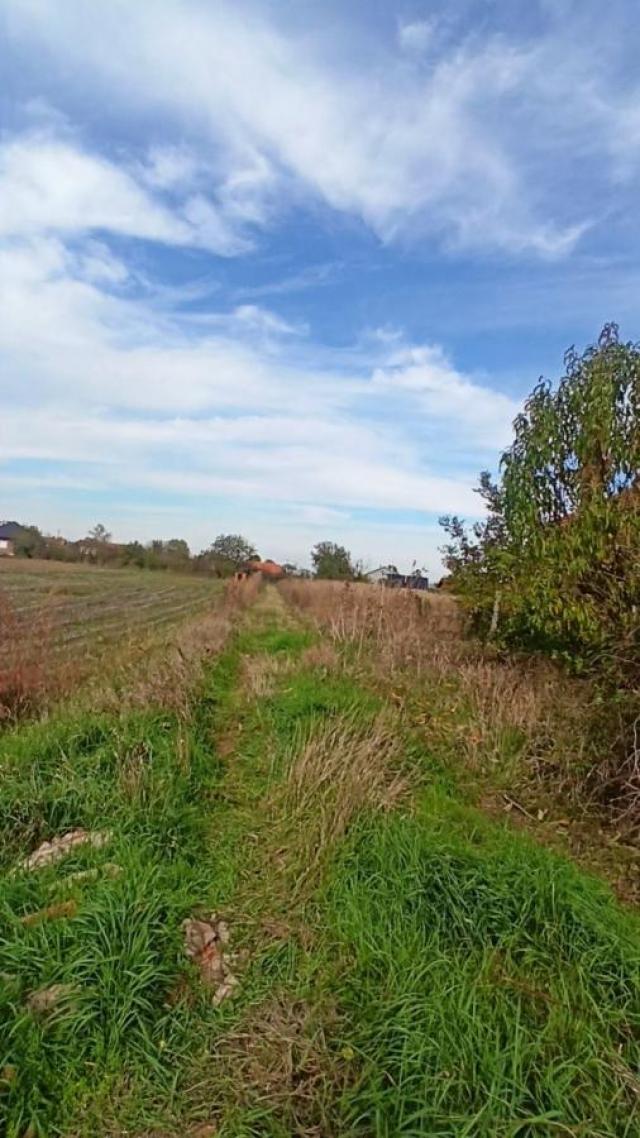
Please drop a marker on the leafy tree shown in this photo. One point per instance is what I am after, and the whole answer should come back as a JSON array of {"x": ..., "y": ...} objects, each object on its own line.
[
  {"x": 561, "y": 539},
  {"x": 228, "y": 553},
  {"x": 178, "y": 549},
  {"x": 29, "y": 542},
  {"x": 134, "y": 554},
  {"x": 332, "y": 561},
  {"x": 99, "y": 533},
  {"x": 476, "y": 557}
]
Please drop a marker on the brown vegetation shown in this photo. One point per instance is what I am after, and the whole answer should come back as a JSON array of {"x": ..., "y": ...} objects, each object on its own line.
[
  {"x": 279, "y": 1055},
  {"x": 27, "y": 674},
  {"x": 342, "y": 767},
  {"x": 512, "y": 724},
  {"x": 123, "y": 636}
]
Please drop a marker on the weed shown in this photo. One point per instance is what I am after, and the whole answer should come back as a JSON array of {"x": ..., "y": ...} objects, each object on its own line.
[{"x": 344, "y": 765}]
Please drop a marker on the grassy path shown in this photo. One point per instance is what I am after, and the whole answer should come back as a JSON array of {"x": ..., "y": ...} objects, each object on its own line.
[{"x": 405, "y": 966}]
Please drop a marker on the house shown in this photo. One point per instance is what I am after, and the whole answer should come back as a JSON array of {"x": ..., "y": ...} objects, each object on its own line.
[
  {"x": 269, "y": 570},
  {"x": 379, "y": 576},
  {"x": 9, "y": 531},
  {"x": 389, "y": 576}
]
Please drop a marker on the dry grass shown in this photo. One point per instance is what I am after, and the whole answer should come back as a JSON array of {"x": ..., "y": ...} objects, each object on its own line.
[
  {"x": 278, "y": 1062},
  {"x": 166, "y": 675},
  {"x": 322, "y": 656},
  {"x": 339, "y": 769},
  {"x": 29, "y": 675},
  {"x": 519, "y": 722},
  {"x": 402, "y": 627},
  {"x": 155, "y": 667},
  {"x": 92, "y": 612},
  {"x": 260, "y": 674}
]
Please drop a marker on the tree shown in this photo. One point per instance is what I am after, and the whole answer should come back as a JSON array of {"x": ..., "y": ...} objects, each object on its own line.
[
  {"x": 228, "y": 553},
  {"x": 331, "y": 561},
  {"x": 562, "y": 533},
  {"x": 178, "y": 549},
  {"x": 99, "y": 533},
  {"x": 476, "y": 558},
  {"x": 29, "y": 542},
  {"x": 134, "y": 554}
]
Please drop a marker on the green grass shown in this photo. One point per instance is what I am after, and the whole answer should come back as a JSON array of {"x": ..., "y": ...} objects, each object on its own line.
[
  {"x": 179, "y": 832},
  {"x": 487, "y": 987},
  {"x": 121, "y": 952},
  {"x": 451, "y": 977}
]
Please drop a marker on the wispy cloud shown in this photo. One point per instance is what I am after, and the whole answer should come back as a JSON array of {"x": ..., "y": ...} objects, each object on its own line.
[
  {"x": 463, "y": 150},
  {"x": 52, "y": 184},
  {"x": 126, "y": 388}
]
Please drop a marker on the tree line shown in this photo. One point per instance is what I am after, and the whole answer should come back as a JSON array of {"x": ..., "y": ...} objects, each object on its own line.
[{"x": 226, "y": 555}]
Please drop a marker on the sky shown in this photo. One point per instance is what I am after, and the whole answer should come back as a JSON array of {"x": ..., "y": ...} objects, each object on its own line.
[{"x": 289, "y": 268}]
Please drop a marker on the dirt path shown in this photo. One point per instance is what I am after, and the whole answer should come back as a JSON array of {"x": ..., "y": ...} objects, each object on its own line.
[{"x": 310, "y": 933}]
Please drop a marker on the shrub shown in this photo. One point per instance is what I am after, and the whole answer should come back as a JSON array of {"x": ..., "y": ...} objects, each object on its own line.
[{"x": 559, "y": 551}]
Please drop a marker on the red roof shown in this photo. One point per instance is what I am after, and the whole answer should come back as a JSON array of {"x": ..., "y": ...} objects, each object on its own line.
[{"x": 267, "y": 568}]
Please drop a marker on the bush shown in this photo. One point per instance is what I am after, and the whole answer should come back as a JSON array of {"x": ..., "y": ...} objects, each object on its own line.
[{"x": 559, "y": 552}]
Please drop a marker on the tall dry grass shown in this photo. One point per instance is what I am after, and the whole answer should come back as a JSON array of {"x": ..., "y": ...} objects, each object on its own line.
[
  {"x": 403, "y": 627},
  {"x": 340, "y": 768},
  {"x": 166, "y": 675},
  {"x": 30, "y": 671},
  {"x": 517, "y": 720}
]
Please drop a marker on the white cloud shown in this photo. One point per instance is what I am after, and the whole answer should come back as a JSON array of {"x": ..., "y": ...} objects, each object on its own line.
[
  {"x": 122, "y": 394},
  {"x": 415, "y": 35},
  {"x": 480, "y": 413},
  {"x": 464, "y": 150},
  {"x": 51, "y": 185},
  {"x": 47, "y": 184}
]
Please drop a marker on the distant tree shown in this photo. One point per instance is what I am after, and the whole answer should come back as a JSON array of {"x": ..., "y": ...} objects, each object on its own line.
[
  {"x": 134, "y": 553},
  {"x": 228, "y": 553},
  {"x": 177, "y": 548},
  {"x": 172, "y": 554},
  {"x": 99, "y": 533},
  {"x": 332, "y": 561},
  {"x": 29, "y": 542}
]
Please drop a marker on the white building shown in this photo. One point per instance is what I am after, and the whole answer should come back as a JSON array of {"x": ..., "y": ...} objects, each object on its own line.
[{"x": 379, "y": 576}]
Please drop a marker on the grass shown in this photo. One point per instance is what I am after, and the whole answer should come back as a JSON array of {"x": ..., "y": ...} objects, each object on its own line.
[
  {"x": 487, "y": 988},
  {"x": 407, "y": 965},
  {"x": 514, "y": 733}
]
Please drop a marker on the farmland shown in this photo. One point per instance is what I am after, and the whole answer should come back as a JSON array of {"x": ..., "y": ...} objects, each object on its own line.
[
  {"x": 67, "y": 620},
  {"x": 90, "y": 607},
  {"x": 287, "y": 904}
]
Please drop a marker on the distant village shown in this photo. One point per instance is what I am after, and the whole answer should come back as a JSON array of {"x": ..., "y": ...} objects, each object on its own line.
[{"x": 229, "y": 555}]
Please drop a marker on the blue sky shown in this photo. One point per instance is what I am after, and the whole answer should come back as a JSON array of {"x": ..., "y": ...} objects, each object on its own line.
[{"x": 288, "y": 267}]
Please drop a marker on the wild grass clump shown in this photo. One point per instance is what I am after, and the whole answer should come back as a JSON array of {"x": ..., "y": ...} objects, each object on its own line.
[
  {"x": 344, "y": 764},
  {"x": 486, "y": 988},
  {"x": 400, "y": 627},
  {"x": 512, "y": 719}
]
